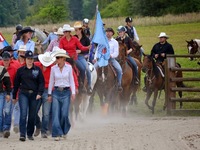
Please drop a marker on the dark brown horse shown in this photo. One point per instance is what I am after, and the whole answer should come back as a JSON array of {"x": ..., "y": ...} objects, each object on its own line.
[
  {"x": 136, "y": 53},
  {"x": 155, "y": 80},
  {"x": 193, "y": 47}
]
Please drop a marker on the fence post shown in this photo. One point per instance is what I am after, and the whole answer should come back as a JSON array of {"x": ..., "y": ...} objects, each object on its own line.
[{"x": 170, "y": 62}]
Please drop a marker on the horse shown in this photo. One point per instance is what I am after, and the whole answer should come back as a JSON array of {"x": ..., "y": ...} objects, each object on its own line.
[
  {"x": 193, "y": 47},
  {"x": 155, "y": 80},
  {"x": 136, "y": 53},
  {"x": 127, "y": 78}
]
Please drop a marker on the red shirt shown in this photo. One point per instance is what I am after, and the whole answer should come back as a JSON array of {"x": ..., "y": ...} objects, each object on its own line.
[
  {"x": 12, "y": 69},
  {"x": 46, "y": 72},
  {"x": 71, "y": 46}
]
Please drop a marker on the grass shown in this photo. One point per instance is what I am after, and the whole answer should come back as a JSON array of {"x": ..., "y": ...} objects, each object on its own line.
[{"x": 179, "y": 29}]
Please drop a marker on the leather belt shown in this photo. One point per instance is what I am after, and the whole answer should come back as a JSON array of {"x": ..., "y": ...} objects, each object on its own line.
[
  {"x": 61, "y": 88},
  {"x": 27, "y": 91}
]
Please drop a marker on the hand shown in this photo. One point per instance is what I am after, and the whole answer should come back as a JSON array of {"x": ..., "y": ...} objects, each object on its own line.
[
  {"x": 78, "y": 51},
  {"x": 129, "y": 51},
  {"x": 94, "y": 61},
  {"x": 49, "y": 99},
  {"x": 76, "y": 91},
  {"x": 89, "y": 47},
  {"x": 73, "y": 97},
  {"x": 7, "y": 98},
  {"x": 38, "y": 97},
  {"x": 163, "y": 54},
  {"x": 156, "y": 55}
]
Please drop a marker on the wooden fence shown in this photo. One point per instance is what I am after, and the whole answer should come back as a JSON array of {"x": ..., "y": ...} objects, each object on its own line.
[{"x": 170, "y": 84}]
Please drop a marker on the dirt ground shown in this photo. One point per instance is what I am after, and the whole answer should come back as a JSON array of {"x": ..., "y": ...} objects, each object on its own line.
[{"x": 117, "y": 133}]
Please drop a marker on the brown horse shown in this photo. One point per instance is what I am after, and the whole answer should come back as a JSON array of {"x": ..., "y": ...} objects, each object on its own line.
[
  {"x": 127, "y": 79},
  {"x": 136, "y": 53},
  {"x": 155, "y": 80}
]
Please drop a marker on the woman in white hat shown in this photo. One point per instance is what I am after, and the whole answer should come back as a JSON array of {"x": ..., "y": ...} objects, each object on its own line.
[
  {"x": 21, "y": 52},
  {"x": 70, "y": 44},
  {"x": 45, "y": 63},
  {"x": 61, "y": 79},
  {"x": 82, "y": 63},
  {"x": 56, "y": 41}
]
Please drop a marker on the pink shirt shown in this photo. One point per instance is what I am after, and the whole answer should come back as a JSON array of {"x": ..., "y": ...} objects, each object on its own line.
[{"x": 61, "y": 79}]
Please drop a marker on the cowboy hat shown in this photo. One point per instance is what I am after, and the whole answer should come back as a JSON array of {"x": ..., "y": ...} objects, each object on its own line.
[
  {"x": 59, "y": 32},
  {"x": 25, "y": 30},
  {"x": 57, "y": 52},
  {"x": 6, "y": 55},
  {"x": 66, "y": 27},
  {"x": 78, "y": 24},
  {"x": 163, "y": 34},
  {"x": 28, "y": 54},
  {"x": 22, "y": 48},
  {"x": 110, "y": 30},
  {"x": 46, "y": 59}
]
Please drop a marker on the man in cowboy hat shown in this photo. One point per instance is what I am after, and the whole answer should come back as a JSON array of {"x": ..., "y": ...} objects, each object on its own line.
[{"x": 162, "y": 48}]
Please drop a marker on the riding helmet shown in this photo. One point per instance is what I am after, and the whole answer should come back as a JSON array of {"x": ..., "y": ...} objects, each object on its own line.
[
  {"x": 19, "y": 27},
  {"x": 85, "y": 20},
  {"x": 129, "y": 19}
]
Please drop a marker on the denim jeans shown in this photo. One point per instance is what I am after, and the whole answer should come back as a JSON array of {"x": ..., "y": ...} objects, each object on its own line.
[
  {"x": 28, "y": 106},
  {"x": 46, "y": 107},
  {"x": 118, "y": 69},
  {"x": 135, "y": 69},
  {"x": 60, "y": 112},
  {"x": 16, "y": 113},
  {"x": 5, "y": 113}
]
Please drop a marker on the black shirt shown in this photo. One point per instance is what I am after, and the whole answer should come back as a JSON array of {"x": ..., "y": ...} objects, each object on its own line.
[
  {"x": 130, "y": 32},
  {"x": 126, "y": 40},
  {"x": 159, "y": 48},
  {"x": 85, "y": 41},
  {"x": 29, "y": 79},
  {"x": 5, "y": 80}
]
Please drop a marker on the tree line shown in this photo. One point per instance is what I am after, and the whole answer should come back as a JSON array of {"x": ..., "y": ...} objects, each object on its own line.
[{"x": 55, "y": 11}]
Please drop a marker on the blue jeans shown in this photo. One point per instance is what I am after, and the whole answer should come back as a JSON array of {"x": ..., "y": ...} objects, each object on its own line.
[
  {"x": 118, "y": 69},
  {"x": 83, "y": 67},
  {"x": 60, "y": 112},
  {"x": 28, "y": 106},
  {"x": 16, "y": 113},
  {"x": 5, "y": 113},
  {"x": 134, "y": 65},
  {"x": 46, "y": 107}
]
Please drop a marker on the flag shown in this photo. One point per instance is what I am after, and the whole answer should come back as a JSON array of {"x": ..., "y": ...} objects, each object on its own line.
[
  {"x": 3, "y": 42},
  {"x": 103, "y": 49}
]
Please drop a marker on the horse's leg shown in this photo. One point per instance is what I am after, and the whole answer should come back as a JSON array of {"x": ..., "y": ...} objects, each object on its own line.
[
  {"x": 85, "y": 104},
  {"x": 154, "y": 100},
  {"x": 91, "y": 102},
  {"x": 149, "y": 93}
]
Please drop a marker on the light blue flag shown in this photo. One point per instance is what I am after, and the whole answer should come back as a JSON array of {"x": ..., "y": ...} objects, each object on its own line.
[
  {"x": 102, "y": 41},
  {"x": 3, "y": 42}
]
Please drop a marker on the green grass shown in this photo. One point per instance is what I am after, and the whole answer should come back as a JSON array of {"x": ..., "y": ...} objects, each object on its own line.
[{"x": 178, "y": 33}]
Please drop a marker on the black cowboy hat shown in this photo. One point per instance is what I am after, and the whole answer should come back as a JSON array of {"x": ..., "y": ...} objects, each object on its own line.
[
  {"x": 28, "y": 54},
  {"x": 6, "y": 49},
  {"x": 110, "y": 30},
  {"x": 25, "y": 30}
]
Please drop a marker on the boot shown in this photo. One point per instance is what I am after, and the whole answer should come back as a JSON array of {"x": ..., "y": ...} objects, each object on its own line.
[{"x": 120, "y": 88}]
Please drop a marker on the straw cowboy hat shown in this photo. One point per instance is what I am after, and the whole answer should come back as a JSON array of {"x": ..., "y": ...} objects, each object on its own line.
[
  {"x": 25, "y": 30},
  {"x": 46, "y": 59},
  {"x": 59, "y": 32},
  {"x": 22, "y": 48},
  {"x": 66, "y": 27},
  {"x": 163, "y": 34},
  {"x": 78, "y": 25},
  {"x": 57, "y": 52}
]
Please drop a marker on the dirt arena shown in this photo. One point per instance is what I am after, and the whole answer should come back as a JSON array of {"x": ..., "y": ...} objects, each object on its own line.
[{"x": 117, "y": 133}]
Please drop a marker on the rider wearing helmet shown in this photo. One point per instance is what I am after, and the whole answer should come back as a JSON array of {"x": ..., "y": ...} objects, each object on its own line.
[
  {"x": 86, "y": 27},
  {"x": 16, "y": 36}
]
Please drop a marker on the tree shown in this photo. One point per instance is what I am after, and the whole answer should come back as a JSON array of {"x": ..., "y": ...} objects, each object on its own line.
[{"x": 76, "y": 9}]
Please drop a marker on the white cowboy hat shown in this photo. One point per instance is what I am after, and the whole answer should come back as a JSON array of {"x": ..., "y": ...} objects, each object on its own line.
[
  {"x": 66, "y": 27},
  {"x": 163, "y": 34},
  {"x": 46, "y": 59},
  {"x": 59, "y": 32},
  {"x": 57, "y": 52},
  {"x": 22, "y": 48},
  {"x": 78, "y": 25}
]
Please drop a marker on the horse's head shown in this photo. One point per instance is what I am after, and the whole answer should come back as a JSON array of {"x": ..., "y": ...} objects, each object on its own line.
[
  {"x": 136, "y": 50},
  {"x": 147, "y": 63},
  {"x": 122, "y": 52},
  {"x": 192, "y": 47}
]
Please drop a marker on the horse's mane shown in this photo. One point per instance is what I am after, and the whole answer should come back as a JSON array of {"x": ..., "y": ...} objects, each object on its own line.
[{"x": 155, "y": 68}]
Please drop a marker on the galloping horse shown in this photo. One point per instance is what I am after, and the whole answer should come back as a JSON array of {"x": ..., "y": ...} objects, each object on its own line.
[
  {"x": 193, "y": 47},
  {"x": 155, "y": 80}
]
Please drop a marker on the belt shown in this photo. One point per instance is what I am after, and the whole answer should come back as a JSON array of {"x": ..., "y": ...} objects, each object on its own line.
[
  {"x": 61, "y": 88},
  {"x": 27, "y": 91}
]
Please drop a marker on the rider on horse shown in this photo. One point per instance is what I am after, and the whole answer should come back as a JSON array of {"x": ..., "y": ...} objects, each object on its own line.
[
  {"x": 160, "y": 50},
  {"x": 114, "y": 52},
  {"x": 127, "y": 40}
]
